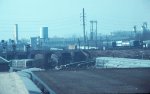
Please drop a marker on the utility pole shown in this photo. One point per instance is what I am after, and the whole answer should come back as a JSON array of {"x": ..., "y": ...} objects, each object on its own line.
[
  {"x": 135, "y": 32},
  {"x": 84, "y": 28},
  {"x": 79, "y": 43},
  {"x": 96, "y": 33}
]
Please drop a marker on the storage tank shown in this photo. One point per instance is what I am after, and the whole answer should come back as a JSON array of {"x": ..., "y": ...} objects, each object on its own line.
[{"x": 44, "y": 33}]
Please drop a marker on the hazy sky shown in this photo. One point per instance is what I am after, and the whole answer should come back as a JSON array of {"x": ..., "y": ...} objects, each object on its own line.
[{"x": 63, "y": 16}]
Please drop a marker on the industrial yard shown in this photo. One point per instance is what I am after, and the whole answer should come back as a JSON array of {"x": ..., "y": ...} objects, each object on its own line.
[
  {"x": 82, "y": 72},
  {"x": 74, "y": 46}
]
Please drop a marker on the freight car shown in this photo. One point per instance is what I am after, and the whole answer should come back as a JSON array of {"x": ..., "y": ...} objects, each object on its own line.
[
  {"x": 132, "y": 44},
  {"x": 22, "y": 64}
]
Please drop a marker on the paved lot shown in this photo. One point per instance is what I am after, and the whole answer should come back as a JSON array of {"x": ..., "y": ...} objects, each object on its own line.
[
  {"x": 11, "y": 83},
  {"x": 97, "y": 81}
]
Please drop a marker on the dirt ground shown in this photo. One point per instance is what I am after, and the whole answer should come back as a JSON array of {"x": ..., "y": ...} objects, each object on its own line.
[{"x": 97, "y": 81}]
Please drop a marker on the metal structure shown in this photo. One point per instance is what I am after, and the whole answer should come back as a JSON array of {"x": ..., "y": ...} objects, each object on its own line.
[{"x": 93, "y": 34}]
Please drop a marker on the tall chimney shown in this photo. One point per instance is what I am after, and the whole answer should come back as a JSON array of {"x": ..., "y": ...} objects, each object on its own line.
[
  {"x": 16, "y": 33},
  {"x": 135, "y": 29}
]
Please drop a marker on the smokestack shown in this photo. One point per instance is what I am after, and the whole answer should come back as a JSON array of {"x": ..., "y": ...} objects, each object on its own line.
[
  {"x": 16, "y": 33},
  {"x": 135, "y": 29}
]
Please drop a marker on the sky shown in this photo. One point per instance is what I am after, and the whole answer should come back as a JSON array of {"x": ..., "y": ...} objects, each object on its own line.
[{"x": 64, "y": 17}]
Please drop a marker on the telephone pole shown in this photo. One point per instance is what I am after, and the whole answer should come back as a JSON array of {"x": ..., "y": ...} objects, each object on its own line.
[
  {"x": 96, "y": 34},
  {"x": 84, "y": 28}
]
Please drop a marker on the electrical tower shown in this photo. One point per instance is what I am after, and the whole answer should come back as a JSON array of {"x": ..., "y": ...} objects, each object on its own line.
[{"x": 94, "y": 24}]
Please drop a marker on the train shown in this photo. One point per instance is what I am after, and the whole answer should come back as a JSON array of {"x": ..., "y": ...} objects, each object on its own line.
[{"x": 131, "y": 44}]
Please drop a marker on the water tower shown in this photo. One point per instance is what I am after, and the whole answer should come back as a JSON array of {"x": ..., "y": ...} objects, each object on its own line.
[{"x": 44, "y": 33}]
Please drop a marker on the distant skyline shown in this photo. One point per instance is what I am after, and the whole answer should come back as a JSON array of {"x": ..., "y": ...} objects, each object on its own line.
[{"x": 62, "y": 17}]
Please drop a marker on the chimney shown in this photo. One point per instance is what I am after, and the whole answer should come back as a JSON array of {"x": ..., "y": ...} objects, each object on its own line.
[{"x": 16, "y": 33}]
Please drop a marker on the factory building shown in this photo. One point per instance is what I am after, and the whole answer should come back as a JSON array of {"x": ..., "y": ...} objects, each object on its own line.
[
  {"x": 34, "y": 42},
  {"x": 43, "y": 42},
  {"x": 40, "y": 41}
]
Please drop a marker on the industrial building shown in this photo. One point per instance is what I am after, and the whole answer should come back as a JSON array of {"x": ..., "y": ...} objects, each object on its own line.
[{"x": 40, "y": 43}]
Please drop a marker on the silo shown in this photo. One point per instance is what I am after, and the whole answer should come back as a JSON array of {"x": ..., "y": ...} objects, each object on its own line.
[{"x": 44, "y": 33}]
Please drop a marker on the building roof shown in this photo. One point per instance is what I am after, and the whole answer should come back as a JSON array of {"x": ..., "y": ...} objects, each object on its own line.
[
  {"x": 3, "y": 60},
  {"x": 11, "y": 83}
]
